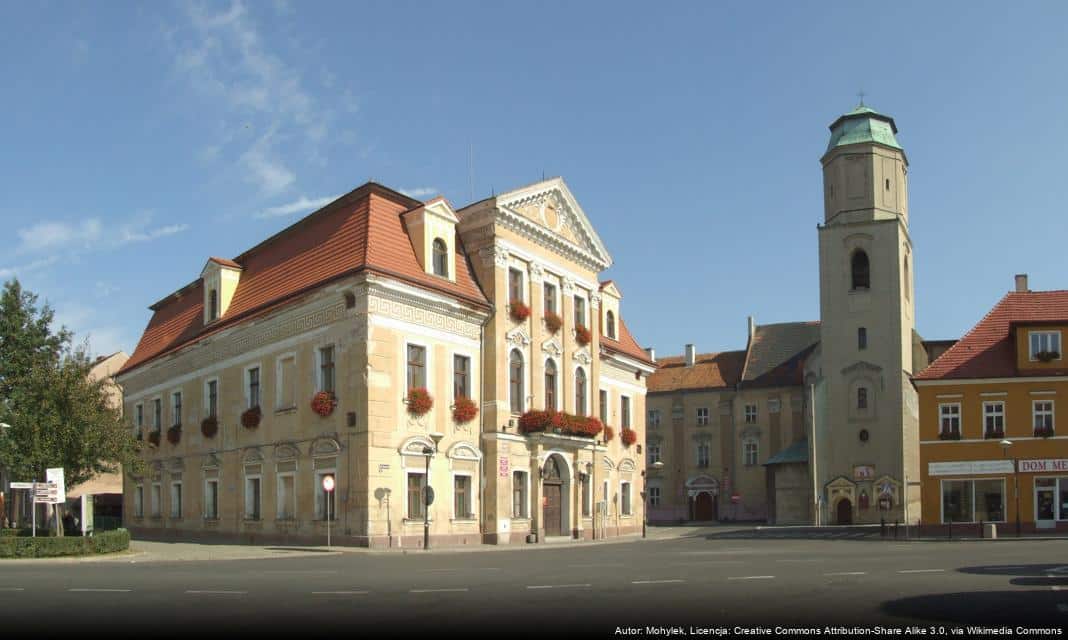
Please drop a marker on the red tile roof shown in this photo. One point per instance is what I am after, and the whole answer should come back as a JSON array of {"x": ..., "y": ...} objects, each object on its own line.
[
  {"x": 710, "y": 371},
  {"x": 224, "y": 262},
  {"x": 359, "y": 231},
  {"x": 989, "y": 350},
  {"x": 626, "y": 345}
]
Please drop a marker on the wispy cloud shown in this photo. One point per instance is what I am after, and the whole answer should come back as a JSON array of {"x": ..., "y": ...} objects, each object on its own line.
[
  {"x": 419, "y": 192},
  {"x": 21, "y": 270},
  {"x": 301, "y": 205},
  {"x": 45, "y": 236}
]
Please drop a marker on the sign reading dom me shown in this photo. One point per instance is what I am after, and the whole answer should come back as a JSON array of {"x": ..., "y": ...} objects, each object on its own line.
[{"x": 1040, "y": 466}]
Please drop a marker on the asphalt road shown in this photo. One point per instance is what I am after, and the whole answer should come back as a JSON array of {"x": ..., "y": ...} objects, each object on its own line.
[{"x": 575, "y": 589}]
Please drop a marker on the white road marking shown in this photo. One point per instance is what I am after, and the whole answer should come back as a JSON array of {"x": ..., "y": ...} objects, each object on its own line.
[
  {"x": 1056, "y": 588},
  {"x": 801, "y": 560},
  {"x": 751, "y": 578},
  {"x": 847, "y": 573},
  {"x": 340, "y": 593},
  {"x": 101, "y": 590},
  {"x": 597, "y": 564},
  {"x": 11, "y": 589},
  {"x": 300, "y": 572},
  {"x": 213, "y": 591},
  {"x": 558, "y": 586},
  {"x": 436, "y": 590},
  {"x": 654, "y": 581},
  {"x": 922, "y": 571},
  {"x": 693, "y": 562}
]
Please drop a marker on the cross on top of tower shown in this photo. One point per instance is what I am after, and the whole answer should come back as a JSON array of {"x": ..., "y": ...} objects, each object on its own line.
[{"x": 860, "y": 95}]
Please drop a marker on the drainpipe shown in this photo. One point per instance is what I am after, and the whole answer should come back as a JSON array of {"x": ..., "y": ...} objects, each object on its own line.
[{"x": 482, "y": 430}]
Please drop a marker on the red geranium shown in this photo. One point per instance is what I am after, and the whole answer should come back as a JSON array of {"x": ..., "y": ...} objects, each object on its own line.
[
  {"x": 174, "y": 435},
  {"x": 250, "y": 419},
  {"x": 553, "y": 322},
  {"x": 609, "y": 433},
  {"x": 419, "y": 401},
  {"x": 323, "y": 403},
  {"x": 518, "y": 311},
  {"x": 628, "y": 437},
  {"x": 209, "y": 426},
  {"x": 559, "y": 422},
  {"x": 464, "y": 410},
  {"x": 583, "y": 335}
]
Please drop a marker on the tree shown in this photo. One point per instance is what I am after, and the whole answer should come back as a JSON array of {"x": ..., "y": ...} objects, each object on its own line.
[{"x": 58, "y": 416}]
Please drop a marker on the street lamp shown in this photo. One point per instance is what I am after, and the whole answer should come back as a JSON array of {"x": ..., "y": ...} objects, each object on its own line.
[
  {"x": 1005, "y": 444},
  {"x": 428, "y": 495},
  {"x": 657, "y": 466}
]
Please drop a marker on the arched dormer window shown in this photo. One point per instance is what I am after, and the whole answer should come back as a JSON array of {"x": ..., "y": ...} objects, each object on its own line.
[
  {"x": 213, "y": 302},
  {"x": 515, "y": 380},
  {"x": 550, "y": 385},
  {"x": 580, "y": 392},
  {"x": 610, "y": 325},
  {"x": 441, "y": 258},
  {"x": 861, "y": 270}
]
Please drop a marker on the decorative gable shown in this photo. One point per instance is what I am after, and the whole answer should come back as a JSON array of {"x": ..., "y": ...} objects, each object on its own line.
[
  {"x": 432, "y": 230},
  {"x": 220, "y": 278}
]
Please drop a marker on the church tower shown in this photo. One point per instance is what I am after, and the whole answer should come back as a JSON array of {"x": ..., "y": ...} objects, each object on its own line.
[{"x": 865, "y": 447}]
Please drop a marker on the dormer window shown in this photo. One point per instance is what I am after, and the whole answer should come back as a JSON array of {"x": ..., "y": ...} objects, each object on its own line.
[
  {"x": 861, "y": 271},
  {"x": 213, "y": 302},
  {"x": 1045, "y": 346},
  {"x": 610, "y": 325},
  {"x": 441, "y": 258}
]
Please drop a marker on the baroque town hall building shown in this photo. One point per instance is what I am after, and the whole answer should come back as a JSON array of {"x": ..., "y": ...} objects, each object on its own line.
[{"x": 394, "y": 344}]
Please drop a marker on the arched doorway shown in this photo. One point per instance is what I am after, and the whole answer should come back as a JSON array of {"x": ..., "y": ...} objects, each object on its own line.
[
  {"x": 705, "y": 507},
  {"x": 554, "y": 491},
  {"x": 844, "y": 512}
]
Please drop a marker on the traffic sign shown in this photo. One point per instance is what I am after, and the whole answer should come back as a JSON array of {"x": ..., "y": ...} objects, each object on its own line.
[
  {"x": 22, "y": 485},
  {"x": 328, "y": 483}
]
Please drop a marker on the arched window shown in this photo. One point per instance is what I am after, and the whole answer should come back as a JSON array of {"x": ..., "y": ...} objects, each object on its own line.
[
  {"x": 610, "y": 323},
  {"x": 862, "y": 398},
  {"x": 861, "y": 270},
  {"x": 580, "y": 392},
  {"x": 550, "y": 385},
  {"x": 515, "y": 380},
  {"x": 441, "y": 258},
  {"x": 213, "y": 298}
]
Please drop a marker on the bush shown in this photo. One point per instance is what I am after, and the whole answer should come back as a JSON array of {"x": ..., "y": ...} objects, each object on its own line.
[{"x": 20, "y": 546}]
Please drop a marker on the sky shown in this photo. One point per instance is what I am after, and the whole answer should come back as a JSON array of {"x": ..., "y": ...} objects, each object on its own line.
[{"x": 138, "y": 139}]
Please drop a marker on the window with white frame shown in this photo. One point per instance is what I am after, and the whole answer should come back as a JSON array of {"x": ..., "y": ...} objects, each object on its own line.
[
  {"x": 211, "y": 499},
  {"x": 1043, "y": 415},
  {"x": 326, "y": 369},
  {"x": 550, "y": 297},
  {"x": 604, "y": 496},
  {"x": 416, "y": 366},
  {"x": 139, "y": 501},
  {"x": 624, "y": 498},
  {"x": 862, "y": 398},
  {"x": 610, "y": 325},
  {"x": 176, "y": 499},
  {"x": 1045, "y": 345},
  {"x": 176, "y": 408},
  {"x": 994, "y": 419},
  {"x": 519, "y": 495},
  {"x": 253, "y": 499},
  {"x": 325, "y": 502},
  {"x": 702, "y": 416},
  {"x": 287, "y": 495},
  {"x": 441, "y": 258},
  {"x": 654, "y": 452},
  {"x": 704, "y": 455},
  {"x": 515, "y": 381},
  {"x": 461, "y": 495},
  {"x": 461, "y": 377},
  {"x": 580, "y": 391},
  {"x": 586, "y": 497},
  {"x": 550, "y": 385},
  {"x": 515, "y": 285},
  {"x": 285, "y": 382},
  {"x": 252, "y": 390},
  {"x": 211, "y": 402},
  {"x": 654, "y": 418},
  {"x": 156, "y": 499},
  {"x": 973, "y": 500},
  {"x": 949, "y": 419},
  {"x": 654, "y": 496},
  {"x": 580, "y": 311},
  {"x": 750, "y": 414},
  {"x": 416, "y": 482},
  {"x": 750, "y": 451}
]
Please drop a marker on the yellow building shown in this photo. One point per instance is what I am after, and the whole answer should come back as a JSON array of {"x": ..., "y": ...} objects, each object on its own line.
[
  {"x": 990, "y": 450},
  {"x": 395, "y": 346}
]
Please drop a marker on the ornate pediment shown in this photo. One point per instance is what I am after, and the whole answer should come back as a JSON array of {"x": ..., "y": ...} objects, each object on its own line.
[
  {"x": 464, "y": 451},
  {"x": 582, "y": 356},
  {"x": 702, "y": 481},
  {"x": 552, "y": 347},
  {"x": 517, "y": 337},
  {"x": 325, "y": 447},
  {"x": 211, "y": 461},
  {"x": 252, "y": 455},
  {"x": 415, "y": 446},
  {"x": 286, "y": 451},
  {"x": 862, "y": 366},
  {"x": 627, "y": 466}
]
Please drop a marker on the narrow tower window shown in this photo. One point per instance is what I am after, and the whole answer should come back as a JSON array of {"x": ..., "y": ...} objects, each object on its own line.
[
  {"x": 862, "y": 338},
  {"x": 861, "y": 271}
]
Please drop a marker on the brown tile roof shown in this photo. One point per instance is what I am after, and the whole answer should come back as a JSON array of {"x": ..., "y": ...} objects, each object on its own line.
[
  {"x": 361, "y": 230},
  {"x": 988, "y": 350},
  {"x": 626, "y": 345},
  {"x": 775, "y": 345},
  {"x": 710, "y": 371}
]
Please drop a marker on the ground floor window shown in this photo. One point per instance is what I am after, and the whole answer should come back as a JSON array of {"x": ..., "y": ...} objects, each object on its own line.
[
  {"x": 654, "y": 496},
  {"x": 287, "y": 496},
  {"x": 1051, "y": 498},
  {"x": 156, "y": 499},
  {"x": 176, "y": 499},
  {"x": 519, "y": 495},
  {"x": 586, "y": 495},
  {"x": 139, "y": 501},
  {"x": 252, "y": 498},
  {"x": 325, "y": 503},
  {"x": 211, "y": 499},
  {"x": 416, "y": 482},
  {"x": 461, "y": 491},
  {"x": 973, "y": 500},
  {"x": 624, "y": 498}
]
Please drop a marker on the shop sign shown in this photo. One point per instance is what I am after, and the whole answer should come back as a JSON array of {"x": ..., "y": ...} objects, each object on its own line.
[
  {"x": 967, "y": 467},
  {"x": 1042, "y": 466},
  {"x": 502, "y": 467}
]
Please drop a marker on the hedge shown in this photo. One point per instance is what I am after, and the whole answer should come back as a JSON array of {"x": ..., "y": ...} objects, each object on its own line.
[{"x": 20, "y": 546}]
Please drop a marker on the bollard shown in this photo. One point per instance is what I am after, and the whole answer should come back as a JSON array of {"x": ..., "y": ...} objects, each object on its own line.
[
  {"x": 895, "y": 529},
  {"x": 981, "y": 529},
  {"x": 882, "y": 527}
]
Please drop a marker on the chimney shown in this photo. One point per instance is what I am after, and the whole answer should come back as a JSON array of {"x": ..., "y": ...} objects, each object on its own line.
[
  {"x": 1021, "y": 283},
  {"x": 652, "y": 353},
  {"x": 691, "y": 355},
  {"x": 752, "y": 326}
]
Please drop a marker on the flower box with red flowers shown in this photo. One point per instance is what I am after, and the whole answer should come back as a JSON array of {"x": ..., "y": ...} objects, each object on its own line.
[
  {"x": 250, "y": 418},
  {"x": 464, "y": 410},
  {"x": 993, "y": 434},
  {"x": 518, "y": 311},
  {"x": 609, "y": 433},
  {"x": 949, "y": 435},
  {"x": 209, "y": 426},
  {"x": 582, "y": 335},
  {"x": 323, "y": 403},
  {"x": 419, "y": 401},
  {"x": 553, "y": 322},
  {"x": 1043, "y": 432},
  {"x": 559, "y": 422},
  {"x": 628, "y": 437},
  {"x": 153, "y": 438},
  {"x": 174, "y": 435}
]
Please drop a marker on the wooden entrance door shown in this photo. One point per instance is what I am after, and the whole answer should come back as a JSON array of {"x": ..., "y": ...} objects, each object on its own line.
[
  {"x": 844, "y": 512},
  {"x": 704, "y": 507},
  {"x": 552, "y": 511}
]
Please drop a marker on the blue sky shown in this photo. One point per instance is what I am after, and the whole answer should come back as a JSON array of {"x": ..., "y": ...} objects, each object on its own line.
[{"x": 139, "y": 139}]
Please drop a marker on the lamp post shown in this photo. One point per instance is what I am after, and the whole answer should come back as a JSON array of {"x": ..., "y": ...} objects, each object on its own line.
[
  {"x": 428, "y": 495},
  {"x": 657, "y": 466},
  {"x": 4, "y": 481},
  {"x": 328, "y": 487},
  {"x": 1005, "y": 444}
]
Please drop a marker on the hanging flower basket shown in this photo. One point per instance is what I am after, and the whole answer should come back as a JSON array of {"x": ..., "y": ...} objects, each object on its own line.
[
  {"x": 464, "y": 410},
  {"x": 209, "y": 426},
  {"x": 582, "y": 335},
  {"x": 553, "y": 322},
  {"x": 1047, "y": 356},
  {"x": 609, "y": 433},
  {"x": 174, "y": 435},
  {"x": 250, "y": 418},
  {"x": 153, "y": 438},
  {"x": 419, "y": 401},
  {"x": 628, "y": 437},
  {"x": 518, "y": 311},
  {"x": 1043, "y": 432},
  {"x": 323, "y": 403}
]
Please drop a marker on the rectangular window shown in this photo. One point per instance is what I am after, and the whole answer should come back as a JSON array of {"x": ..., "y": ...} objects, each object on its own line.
[
  {"x": 416, "y": 367},
  {"x": 325, "y": 503},
  {"x": 416, "y": 482},
  {"x": 994, "y": 419},
  {"x": 211, "y": 499},
  {"x": 862, "y": 338},
  {"x": 603, "y": 397},
  {"x": 624, "y": 498},
  {"x": 213, "y": 397},
  {"x": 704, "y": 455},
  {"x": 580, "y": 311},
  {"x": 1043, "y": 415},
  {"x": 654, "y": 452},
  {"x": 654, "y": 496},
  {"x": 461, "y": 491},
  {"x": 949, "y": 419},
  {"x": 702, "y": 416},
  {"x": 157, "y": 413},
  {"x": 176, "y": 408},
  {"x": 1045, "y": 345},
  {"x": 654, "y": 418},
  {"x": 139, "y": 501},
  {"x": 586, "y": 494},
  {"x": 287, "y": 496},
  {"x": 519, "y": 494},
  {"x": 973, "y": 500},
  {"x": 176, "y": 499},
  {"x": 515, "y": 285},
  {"x": 252, "y": 498},
  {"x": 750, "y": 449},
  {"x": 550, "y": 298},
  {"x": 326, "y": 369},
  {"x": 139, "y": 415},
  {"x": 461, "y": 377},
  {"x": 750, "y": 414},
  {"x": 253, "y": 387},
  {"x": 624, "y": 409},
  {"x": 156, "y": 499},
  {"x": 286, "y": 390}
]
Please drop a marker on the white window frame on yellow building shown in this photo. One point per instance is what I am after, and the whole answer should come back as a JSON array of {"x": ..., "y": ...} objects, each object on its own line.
[
  {"x": 942, "y": 416},
  {"x": 1052, "y": 413},
  {"x": 586, "y": 399},
  {"x": 472, "y": 508},
  {"x": 279, "y": 396},
  {"x": 318, "y": 355},
  {"x": 525, "y": 513},
  {"x": 176, "y": 499},
  {"x": 1049, "y": 334},
  {"x": 279, "y": 501},
  {"x": 472, "y": 380},
  {"x": 246, "y": 494},
  {"x": 973, "y": 480},
  {"x": 176, "y": 419},
  {"x": 428, "y": 366},
  {"x": 626, "y": 498}
]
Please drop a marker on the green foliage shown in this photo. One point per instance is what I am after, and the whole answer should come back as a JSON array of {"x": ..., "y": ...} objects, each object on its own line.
[{"x": 44, "y": 547}]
